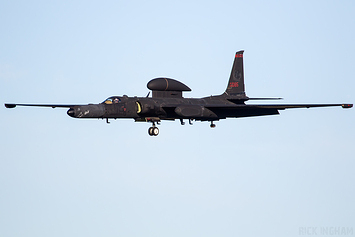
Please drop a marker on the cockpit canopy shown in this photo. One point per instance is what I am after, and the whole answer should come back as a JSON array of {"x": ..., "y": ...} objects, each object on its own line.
[{"x": 112, "y": 100}]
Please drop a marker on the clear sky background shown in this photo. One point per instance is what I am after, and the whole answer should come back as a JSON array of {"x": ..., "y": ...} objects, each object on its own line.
[{"x": 263, "y": 176}]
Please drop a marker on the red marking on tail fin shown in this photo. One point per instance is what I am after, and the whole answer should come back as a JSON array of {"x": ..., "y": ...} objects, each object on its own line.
[
  {"x": 233, "y": 84},
  {"x": 239, "y": 55}
]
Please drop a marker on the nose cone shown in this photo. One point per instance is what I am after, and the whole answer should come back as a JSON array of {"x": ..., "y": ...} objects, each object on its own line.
[
  {"x": 71, "y": 112},
  {"x": 87, "y": 111}
]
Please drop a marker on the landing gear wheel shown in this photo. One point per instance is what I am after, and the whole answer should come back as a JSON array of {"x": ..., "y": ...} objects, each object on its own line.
[
  {"x": 212, "y": 125},
  {"x": 153, "y": 131}
]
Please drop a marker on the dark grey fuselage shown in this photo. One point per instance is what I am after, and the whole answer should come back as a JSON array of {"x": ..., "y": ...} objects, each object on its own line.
[{"x": 205, "y": 109}]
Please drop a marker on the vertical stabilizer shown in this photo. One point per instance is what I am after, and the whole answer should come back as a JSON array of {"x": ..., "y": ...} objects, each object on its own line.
[{"x": 235, "y": 87}]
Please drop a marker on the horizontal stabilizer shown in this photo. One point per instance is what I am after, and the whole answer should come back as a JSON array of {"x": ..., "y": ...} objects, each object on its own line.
[{"x": 265, "y": 98}]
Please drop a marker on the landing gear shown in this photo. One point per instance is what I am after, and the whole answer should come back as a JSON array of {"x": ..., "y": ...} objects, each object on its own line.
[
  {"x": 212, "y": 125},
  {"x": 153, "y": 131},
  {"x": 182, "y": 122}
]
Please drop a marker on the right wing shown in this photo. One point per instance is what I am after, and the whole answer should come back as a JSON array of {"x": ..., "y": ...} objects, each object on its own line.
[
  {"x": 7, "y": 105},
  {"x": 294, "y": 106}
]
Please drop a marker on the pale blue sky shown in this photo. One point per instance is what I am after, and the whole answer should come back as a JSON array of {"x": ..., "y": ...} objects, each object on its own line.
[{"x": 266, "y": 176}]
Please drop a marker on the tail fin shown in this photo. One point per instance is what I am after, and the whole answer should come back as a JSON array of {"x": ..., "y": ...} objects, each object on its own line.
[{"x": 236, "y": 80}]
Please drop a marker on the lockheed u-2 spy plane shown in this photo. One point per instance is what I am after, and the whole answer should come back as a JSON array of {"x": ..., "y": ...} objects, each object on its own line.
[{"x": 167, "y": 103}]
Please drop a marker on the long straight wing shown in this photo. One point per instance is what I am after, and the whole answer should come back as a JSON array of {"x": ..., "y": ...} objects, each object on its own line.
[
  {"x": 243, "y": 110},
  {"x": 39, "y": 105},
  {"x": 276, "y": 106},
  {"x": 266, "y": 106},
  {"x": 293, "y": 106}
]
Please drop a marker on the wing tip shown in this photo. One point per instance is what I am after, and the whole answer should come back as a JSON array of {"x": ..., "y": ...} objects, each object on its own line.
[
  {"x": 10, "y": 106},
  {"x": 347, "y": 106}
]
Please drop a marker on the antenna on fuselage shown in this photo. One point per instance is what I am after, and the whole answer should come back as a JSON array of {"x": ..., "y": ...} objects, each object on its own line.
[{"x": 148, "y": 94}]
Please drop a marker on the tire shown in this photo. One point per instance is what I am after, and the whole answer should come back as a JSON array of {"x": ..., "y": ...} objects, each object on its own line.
[
  {"x": 150, "y": 131},
  {"x": 155, "y": 131}
]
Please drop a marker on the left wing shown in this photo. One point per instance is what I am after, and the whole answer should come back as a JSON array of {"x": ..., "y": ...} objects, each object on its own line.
[{"x": 255, "y": 106}]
